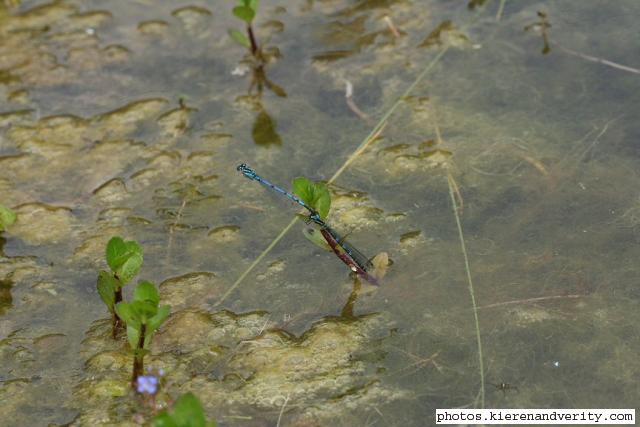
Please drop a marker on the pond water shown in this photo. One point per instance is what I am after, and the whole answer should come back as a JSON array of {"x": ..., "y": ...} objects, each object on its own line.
[{"x": 491, "y": 149}]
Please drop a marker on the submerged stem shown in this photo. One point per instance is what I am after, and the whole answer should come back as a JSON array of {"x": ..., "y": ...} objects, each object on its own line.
[
  {"x": 252, "y": 40},
  {"x": 470, "y": 282}
]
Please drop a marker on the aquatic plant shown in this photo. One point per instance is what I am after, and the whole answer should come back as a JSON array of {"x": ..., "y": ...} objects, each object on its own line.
[
  {"x": 314, "y": 194},
  {"x": 125, "y": 259},
  {"x": 246, "y": 10},
  {"x": 7, "y": 217},
  {"x": 143, "y": 316},
  {"x": 187, "y": 412}
]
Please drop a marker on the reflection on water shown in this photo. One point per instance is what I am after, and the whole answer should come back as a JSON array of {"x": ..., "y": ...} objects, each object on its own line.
[{"x": 130, "y": 121}]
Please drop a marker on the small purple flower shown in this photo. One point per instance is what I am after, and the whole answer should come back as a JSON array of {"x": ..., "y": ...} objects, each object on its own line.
[{"x": 147, "y": 384}]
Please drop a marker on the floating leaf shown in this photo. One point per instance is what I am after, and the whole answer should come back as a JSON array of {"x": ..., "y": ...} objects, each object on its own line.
[
  {"x": 240, "y": 38},
  {"x": 7, "y": 217}
]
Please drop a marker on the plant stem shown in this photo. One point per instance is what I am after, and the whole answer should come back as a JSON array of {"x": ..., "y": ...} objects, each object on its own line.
[
  {"x": 138, "y": 358},
  {"x": 500, "y": 10},
  {"x": 117, "y": 322},
  {"x": 252, "y": 39},
  {"x": 474, "y": 306}
]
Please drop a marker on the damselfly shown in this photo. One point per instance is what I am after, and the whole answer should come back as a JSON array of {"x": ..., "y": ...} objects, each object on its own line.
[{"x": 355, "y": 259}]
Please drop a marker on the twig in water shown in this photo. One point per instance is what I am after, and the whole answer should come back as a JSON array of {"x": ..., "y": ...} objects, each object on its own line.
[
  {"x": 351, "y": 103},
  {"x": 358, "y": 151},
  {"x": 420, "y": 362},
  {"x": 392, "y": 27},
  {"x": 178, "y": 215},
  {"x": 500, "y": 10},
  {"x": 531, "y": 300},
  {"x": 596, "y": 59},
  {"x": 381, "y": 416},
  {"x": 474, "y": 307},
  {"x": 456, "y": 188},
  {"x": 282, "y": 410}
]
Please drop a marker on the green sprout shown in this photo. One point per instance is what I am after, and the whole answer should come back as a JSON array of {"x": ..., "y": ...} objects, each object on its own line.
[
  {"x": 7, "y": 217},
  {"x": 314, "y": 194},
  {"x": 187, "y": 412},
  {"x": 317, "y": 196},
  {"x": 143, "y": 317},
  {"x": 246, "y": 10},
  {"x": 125, "y": 259}
]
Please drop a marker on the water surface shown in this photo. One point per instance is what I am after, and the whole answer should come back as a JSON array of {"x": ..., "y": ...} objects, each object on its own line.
[{"x": 129, "y": 118}]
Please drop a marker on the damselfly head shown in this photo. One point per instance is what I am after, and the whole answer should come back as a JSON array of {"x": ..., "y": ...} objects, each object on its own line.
[{"x": 246, "y": 171}]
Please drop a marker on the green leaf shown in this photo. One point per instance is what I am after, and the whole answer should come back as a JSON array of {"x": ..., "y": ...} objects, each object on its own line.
[
  {"x": 188, "y": 411},
  {"x": 124, "y": 258},
  {"x": 133, "y": 336},
  {"x": 315, "y": 195},
  {"x": 107, "y": 286},
  {"x": 245, "y": 13},
  {"x": 146, "y": 291},
  {"x": 130, "y": 267},
  {"x": 253, "y": 4},
  {"x": 126, "y": 312},
  {"x": 154, "y": 323},
  {"x": 322, "y": 199},
  {"x": 7, "y": 217},
  {"x": 144, "y": 310},
  {"x": 163, "y": 419},
  {"x": 240, "y": 38},
  {"x": 115, "y": 249}
]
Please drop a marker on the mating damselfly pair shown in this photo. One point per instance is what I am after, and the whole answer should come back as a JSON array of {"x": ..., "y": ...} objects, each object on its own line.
[{"x": 353, "y": 258}]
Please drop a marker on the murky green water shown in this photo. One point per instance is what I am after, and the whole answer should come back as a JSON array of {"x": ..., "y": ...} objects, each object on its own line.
[{"x": 129, "y": 118}]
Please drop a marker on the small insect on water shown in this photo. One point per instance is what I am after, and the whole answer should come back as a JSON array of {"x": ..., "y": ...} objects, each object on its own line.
[{"x": 504, "y": 387}]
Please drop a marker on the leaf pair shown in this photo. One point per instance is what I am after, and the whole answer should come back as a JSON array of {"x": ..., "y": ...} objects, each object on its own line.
[
  {"x": 246, "y": 10},
  {"x": 142, "y": 310},
  {"x": 187, "y": 412},
  {"x": 124, "y": 258},
  {"x": 314, "y": 194}
]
